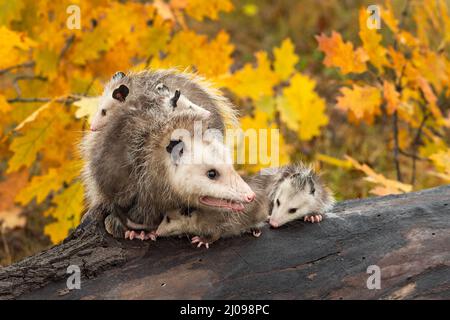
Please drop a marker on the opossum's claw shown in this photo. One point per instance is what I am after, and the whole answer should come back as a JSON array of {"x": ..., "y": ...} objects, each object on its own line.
[
  {"x": 256, "y": 233},
  {"x": 200, "y": 241},
  {"x": 151, "y": 235},
  {"x": 313, "y": 218}
]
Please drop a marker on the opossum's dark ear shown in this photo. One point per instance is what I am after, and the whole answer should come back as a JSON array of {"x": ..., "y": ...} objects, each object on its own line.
[
  {"x": 118, "y": 75},
  {"x": 172, "y": 144},
  {"x": 174, "y": 99},
  {"x": 175, "y": 148},
  {"x": 121, "y": 93},
  {"x": 162, "y": 89}
]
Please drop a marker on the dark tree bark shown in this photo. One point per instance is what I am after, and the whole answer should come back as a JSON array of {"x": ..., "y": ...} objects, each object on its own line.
[{"x": 406, "y": 236}]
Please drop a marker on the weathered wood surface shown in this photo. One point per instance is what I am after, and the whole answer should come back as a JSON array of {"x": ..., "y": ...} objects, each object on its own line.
[{"x": 407, "y": 236}]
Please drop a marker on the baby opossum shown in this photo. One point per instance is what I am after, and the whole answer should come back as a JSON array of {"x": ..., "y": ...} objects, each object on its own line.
[
  {"x": 209, "y": 226},
  {"x": 296, "y": 191},
  {"x": 196, "y": 92},
  {"x": 144, "y": 165}
]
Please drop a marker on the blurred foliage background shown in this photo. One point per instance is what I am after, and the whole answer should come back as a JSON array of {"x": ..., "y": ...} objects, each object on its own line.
[{"x": 369, "y": 107}]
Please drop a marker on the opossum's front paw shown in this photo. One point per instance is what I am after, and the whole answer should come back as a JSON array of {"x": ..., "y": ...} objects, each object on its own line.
[
  {"x": 131, "y": 234},
  {"x": 313, "y": 218},
  {"x": 200, "y": 241},
  {"x": 256, "y": 233}
]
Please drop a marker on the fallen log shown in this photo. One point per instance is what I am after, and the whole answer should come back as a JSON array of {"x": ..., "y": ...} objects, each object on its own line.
[{"x": 406, "y": 236}]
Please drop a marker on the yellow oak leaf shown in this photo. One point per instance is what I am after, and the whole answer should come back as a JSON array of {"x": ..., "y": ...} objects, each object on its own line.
[
  {"x": 5, "y": 107},
  {"x": 34, "y": 132},
  {"x": 253, "y": 82},
  {"x": 87, "y": 106},
  {"x": 263, "y": 146},
  {"x": 384, "y": 186},
  {"x": 199, "y": 9},
  {"x": 371, "y": 40},
  {"x": 188, "y": 49},
  {"x": 46, "y": 62},
  {"x": 10, "y": 11},
  {"x": 387, "y": 14},
  {"x": 363, "y": 102},
  {"x": 285, "y": 59},
  {"x": 391, "y": 96},
  {"x": 40, "y": 186},
  {"x": 67, "y": 210},
  {"x": 341, "y": 54},
  {"x": 333, "y": 161},
  {"x": 441, "y": 160},
  {"x": 14, "y": 48},
  {"x": 301, "y": 108}
]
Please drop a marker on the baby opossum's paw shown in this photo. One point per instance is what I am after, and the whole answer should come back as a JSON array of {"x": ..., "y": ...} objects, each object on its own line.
[
  {"x": 131, "y": 234},
  {"x": 201, "y": 241},
  {"x": 256, "y": 232},
  {"x": 313, "y": 218}
]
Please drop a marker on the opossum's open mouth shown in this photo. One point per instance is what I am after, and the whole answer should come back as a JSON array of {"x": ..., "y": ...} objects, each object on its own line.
[{"x": 222, "y": 203}]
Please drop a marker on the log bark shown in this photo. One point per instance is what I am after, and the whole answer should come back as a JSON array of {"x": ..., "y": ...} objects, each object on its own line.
[{"x": 407, "y": 236}]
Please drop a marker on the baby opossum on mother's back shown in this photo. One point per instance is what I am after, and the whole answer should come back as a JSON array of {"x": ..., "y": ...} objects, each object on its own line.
[
  {"x": 194, "y": 92},
  {"x": 294, "y": 192},
  {"x": 208, "y": 226}
]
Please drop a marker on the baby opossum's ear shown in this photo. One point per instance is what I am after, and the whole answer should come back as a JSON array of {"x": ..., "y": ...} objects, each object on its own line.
[
  {"x": 174, "y": 99},
  {"x": 162, "y": 89},
  {"x": 121, "y": 93},
  {"x": 118, "y": 75},
  {"x": 175, "y": 148}
]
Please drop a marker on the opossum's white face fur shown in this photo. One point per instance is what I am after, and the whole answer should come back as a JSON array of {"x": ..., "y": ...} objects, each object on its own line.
[
  {"x": 174, "y": 223},
  {"x": 116, "y": 94},
  {"x": 293, "y": 201},
  {"x": 201, "y": 170}
]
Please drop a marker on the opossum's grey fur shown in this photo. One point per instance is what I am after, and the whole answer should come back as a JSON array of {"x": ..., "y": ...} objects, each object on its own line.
[{"x": 214, "y": 225}]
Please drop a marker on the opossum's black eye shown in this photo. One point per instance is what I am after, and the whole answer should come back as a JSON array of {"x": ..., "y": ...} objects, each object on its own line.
[
  {"x": 167, "y": 219},
  {"x": 292, "y": 210},
  {"x": 121, "y": 93},
  {"x": 278, "y": 202},
  {"x": 212, "y": 174},
  {"x": 103, "y": 112},
  {"x": 174, "y": 99}
]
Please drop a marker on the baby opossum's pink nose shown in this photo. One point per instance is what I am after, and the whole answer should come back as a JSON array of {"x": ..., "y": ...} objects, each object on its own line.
[
  {"x": 250, "y": 197},
  {"x": 93, "y": 129},
  {"x": 273, "y": 224}
]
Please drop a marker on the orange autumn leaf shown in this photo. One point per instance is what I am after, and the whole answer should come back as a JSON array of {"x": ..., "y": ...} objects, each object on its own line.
[
  {"x": 384, "y": 186},
  {"x": 341, "y": 54},
  {"x": 391, "y": 96},
  {"x": 362, "y": 101}
]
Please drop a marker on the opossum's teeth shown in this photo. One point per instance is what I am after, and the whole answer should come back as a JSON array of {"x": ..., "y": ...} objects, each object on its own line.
[{"x": 222, "y": 203}]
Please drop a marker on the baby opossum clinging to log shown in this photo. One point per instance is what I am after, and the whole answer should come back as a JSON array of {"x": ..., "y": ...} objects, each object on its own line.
[
  {"x": 296, "y": 191},
  {"x": 209, "y": 226}
]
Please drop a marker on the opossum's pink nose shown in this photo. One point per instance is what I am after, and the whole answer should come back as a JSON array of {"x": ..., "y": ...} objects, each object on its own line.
[
  {"x": 93, "y": 129},
  {"x": 250, "y": 197},
  {"x": 273, "y": 224}
]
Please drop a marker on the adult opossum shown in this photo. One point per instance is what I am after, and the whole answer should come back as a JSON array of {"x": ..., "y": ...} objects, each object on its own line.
[
  {"x": 142, "y": 167},
  {"x": 294, "y": 192},
  {"x": 209, "y": 226}
]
